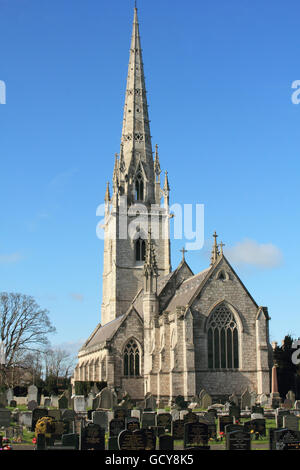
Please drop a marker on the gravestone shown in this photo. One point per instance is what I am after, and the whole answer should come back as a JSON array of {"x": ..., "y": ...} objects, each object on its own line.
[
  {"x": 92, "y": 437},
  {"x": 175, "y": 414},
  {"x": 79, "y": 403},
  {"x": 70, "y": 440},
  {"x": 256, "y": 409},
  {"x": 9, "y": 395},
  {"x": 150, "y": 402},
  {"x": 190, "y": 418},
  {"x": 100, "y": 418},
  {"x": 205, "y": 401},
  {"x": 136, "y": 414},
  {"x": 47, "y": 402},
  {"x": 13, "y": 404},
  {"x": 54, "y": 401},
  {"x": 287, "y": 404},
  {"x": 195, "y": 434},
  {"x": 89, "y": 400},
  {"x": 238, "y": 440},
  {"x": 132, "y": 424},
  {"x": 263, "y": 399},
  {"x": 37, "y": 414},
  {"x": 291, "y": 396},
  {"x": 291, "y": 422},
  {"x": 148, "y": 419},
  {"x": 116, "y": 426},
  {"x": 32, "y": 393},
  {"x": 234, "y": 399},
  {"x": 56, "y": 414},
  {"x": 256, "y": 425},
  {"x": 68, "y": 415},
  {"x": 233, "y": 427},
  {"x": 32, "y": 405},
  {"x": 150, "y": 439},
  {"x": 245, "y": 400},
  {"x": 25, "y": 418},
  {"x": 63, "y": 402},
  {"x": 284, "y": 439},
  {"x": 178, "y": 430},
  {"x": 279, "y": 414},
  {"x": 107, "y": 399},
  {"x": 5, "y": 418},
  {"x": 234, "y": 411},
  {"x": 3, "y": 400},
  {"x": 132, "y": 440},
  {"x": 40, "y": 442},
  {"x": 164, "y": 420},
  {"x": 223, "y": 421},
  {"x": 166, "y": 442},
  {"x": 113, "y": 443}
]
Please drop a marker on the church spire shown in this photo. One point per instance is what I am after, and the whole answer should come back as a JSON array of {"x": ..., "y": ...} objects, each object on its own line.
[
  {"x": 215, "y": 251},
  {"x": 136, "y": 138}
]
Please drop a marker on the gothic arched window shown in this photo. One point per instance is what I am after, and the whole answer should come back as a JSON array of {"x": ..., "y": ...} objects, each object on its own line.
[
  {"x": 139, "y": 188},
  {"x": 222, "y": 339},
  {"x": 131, "y": 359},
  {"x": 140, "y": 250}
]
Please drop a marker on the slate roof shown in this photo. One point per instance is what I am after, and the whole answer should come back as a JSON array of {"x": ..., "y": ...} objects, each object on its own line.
[{"x": 186, "y": 290}]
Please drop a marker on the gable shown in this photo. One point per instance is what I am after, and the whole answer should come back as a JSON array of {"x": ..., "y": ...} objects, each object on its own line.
[{"x": 173, "y": 281}]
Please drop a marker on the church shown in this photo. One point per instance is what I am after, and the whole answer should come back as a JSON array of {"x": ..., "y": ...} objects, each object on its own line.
[{"x": 166, "y": 332}]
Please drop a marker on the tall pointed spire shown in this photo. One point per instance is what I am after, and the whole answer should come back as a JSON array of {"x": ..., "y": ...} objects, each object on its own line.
[
  {"x": 215, "y": 251},
  {"x": 136, "y": 137}
]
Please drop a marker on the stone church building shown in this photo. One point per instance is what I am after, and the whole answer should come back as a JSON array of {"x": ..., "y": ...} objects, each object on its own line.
[{"x": 168, "y": 332}]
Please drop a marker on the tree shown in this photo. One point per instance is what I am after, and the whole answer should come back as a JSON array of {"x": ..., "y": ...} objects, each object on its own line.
[
  {"x": 24, "y": 327},
  {"x": 287, "y": 372}
]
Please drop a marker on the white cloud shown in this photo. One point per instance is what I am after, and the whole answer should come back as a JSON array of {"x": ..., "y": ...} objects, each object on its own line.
[
  {"x": 262, "y": 255},
  {"x": 10, "y": 258}
]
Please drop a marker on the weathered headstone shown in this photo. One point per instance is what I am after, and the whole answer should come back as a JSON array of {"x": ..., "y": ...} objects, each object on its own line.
[
  {"x": 245, "y": 400},
  {"x": 150, "y": 402},
  {"x": 13, "y": 403},
  {"x": 190, "y": 418},
  {"x": 56, "y": 414},
  {"x": 291, "y": 422},
  {"x": 284, "y": 439},
  {"x": 107, "y": 399},
  {"x": 32, "y": 405},
  {"x": 32, "y": 393},
  {"x": 100, "y": 418},
  {"x": 205, "y": 401},
  {"x": 79, "y": 403},
  {"x": 9, "y": 395},
  {"x": 280, "y": 412},
  {"x": 5, "y": 418}
]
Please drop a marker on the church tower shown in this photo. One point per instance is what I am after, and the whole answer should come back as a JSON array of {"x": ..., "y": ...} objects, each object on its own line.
[{"x": 137, "y": 203}]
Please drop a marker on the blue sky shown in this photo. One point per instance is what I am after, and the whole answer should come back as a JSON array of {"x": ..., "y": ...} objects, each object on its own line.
[{"x": 219, "y": 77}]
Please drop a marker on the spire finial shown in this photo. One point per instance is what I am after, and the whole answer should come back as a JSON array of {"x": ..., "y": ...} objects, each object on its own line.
[
  {"x": 221, "y": 248},
  {"x": 183, "y": 251},
  {"x": 215, "y": 251}
]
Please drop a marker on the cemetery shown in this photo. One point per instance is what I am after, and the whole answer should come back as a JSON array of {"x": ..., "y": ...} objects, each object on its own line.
[{"x": 71, "y": 422}]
